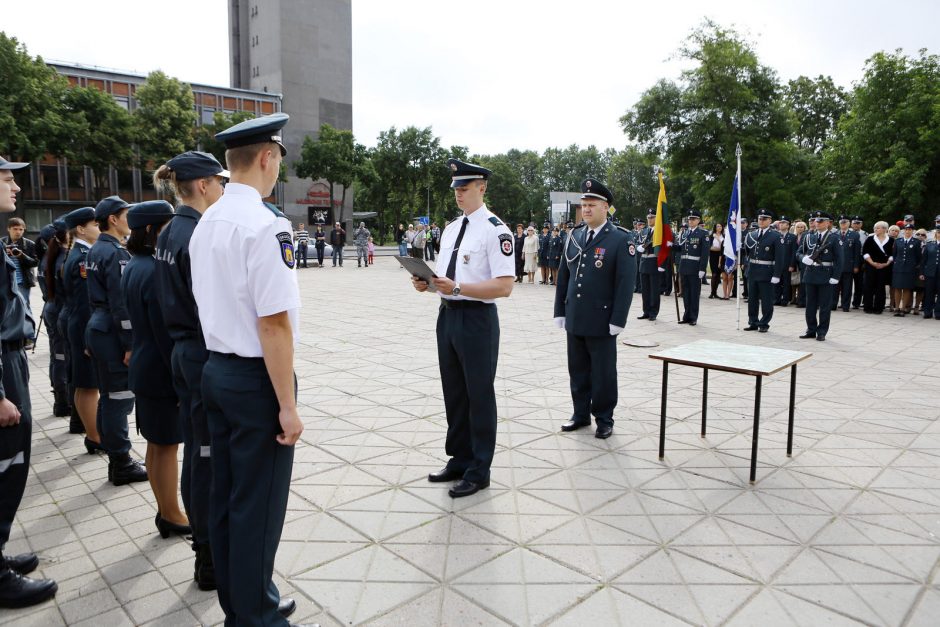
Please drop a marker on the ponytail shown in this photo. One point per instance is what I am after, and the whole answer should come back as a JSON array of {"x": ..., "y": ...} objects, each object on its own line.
[{"x": 164, "y": 181}]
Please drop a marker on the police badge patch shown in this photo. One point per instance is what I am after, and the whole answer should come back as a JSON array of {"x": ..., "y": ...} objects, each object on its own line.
[
  {"x": 505, "y": 243},
  {"x": 287, "y": 249},
  {"x": 632, "y": 250}
]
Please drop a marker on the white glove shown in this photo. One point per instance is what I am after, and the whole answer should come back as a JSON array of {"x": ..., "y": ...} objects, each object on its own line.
[
  {"x": 775, "y": 280},
  {"x": 833, "y": 281},
  {"x": 701, "y": 274},
  {"x": 661, "y": 269},
  {"x": 640, "y": 249},
  {"x": 808, "y": 261},
  {"x": 560, "y": 322},
  {"x": 614, "y": 329}
]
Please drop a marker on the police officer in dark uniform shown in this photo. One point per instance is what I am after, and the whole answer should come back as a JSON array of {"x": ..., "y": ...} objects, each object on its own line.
[
  {"x": 592, "y": 301},
  {"x": 16, "y": 422},
  {"x": 475, "y": 267},
  {"x": 196, "y": 178},
  {"x": 930, "y": 274},
  {"x": 742, "y": 257},
  {"x": 250, "y": 321},
  {"x": 108, "y": 338},
  {"x": 650, "y": 271},
  {"x": 784, "y": 288},
  {"x": 50, "y": 268},
  {"x": 637, "y": 231},
  {"x": 73, "y": 318},
  {"x": 693, "y": 246},
  {"x": 852, "y": 257},
  {"x": 824, "y": 261},
  {"x": 765, "y": 266}
]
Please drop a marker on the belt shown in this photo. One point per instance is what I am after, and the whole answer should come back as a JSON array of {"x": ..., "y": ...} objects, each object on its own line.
[
  {"x": 233, "y": 356},
  {"x": 761, "y": 262},
  {"x": 690, "y": 258},
  {"x": 9, "y": 346},
  {"x": 463, "y": 304},
  {"x": 824, "y": 263},
  {"x": 650, "y": 255}
]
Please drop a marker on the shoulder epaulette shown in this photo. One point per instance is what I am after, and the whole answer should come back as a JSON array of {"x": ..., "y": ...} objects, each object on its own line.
[
  {"x": 495, "y": 221},
  {"x": 277, "y": 212},
  {"x": 625, "y": 230}
]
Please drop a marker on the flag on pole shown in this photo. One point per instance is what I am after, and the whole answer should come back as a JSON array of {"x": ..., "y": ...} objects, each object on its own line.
[
  {"x": 731, "y": 230},
  {"x": 662, "y": 230}
]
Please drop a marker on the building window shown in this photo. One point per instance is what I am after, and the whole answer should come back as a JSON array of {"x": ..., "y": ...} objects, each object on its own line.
[
  {"x": 49, "y": 177},
  {"x": 123, "y": 101},
  {"x": 207, "y": 115},
  {"x": 254, "y": 10},
  {"x": 254, "y": 72}
]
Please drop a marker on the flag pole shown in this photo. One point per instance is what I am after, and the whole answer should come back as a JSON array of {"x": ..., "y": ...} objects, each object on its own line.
[{"x": 737, "y": 235}]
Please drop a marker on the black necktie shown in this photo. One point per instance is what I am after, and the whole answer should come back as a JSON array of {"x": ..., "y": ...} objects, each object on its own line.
[
  {"x": 452, "y": 266},
  {"x": 589, "y": 238}
]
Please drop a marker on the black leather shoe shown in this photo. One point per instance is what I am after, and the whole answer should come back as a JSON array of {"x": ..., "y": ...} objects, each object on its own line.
[
  {"x": 466, "y": 488},
  {"x": 24, "y": 563},
  {"x": 643, "y": 317},
  {"x": 19, "y": 591},
  {"x": 445, "y": 474},
  {"x": 574, "y": 425},
  {"x": 604, "y": 432},
  {"x": 165, "y": 527},
  {"x": 652, "y": 318},
  {"x": 123, "y": 470},
  {"x": 693, "y": 322},
  {"x": 204, "y": 575},
  {"x": 763, "y": 329},
  {"x": 683, "y": 322},
  {"x": 286, "y": 607},
  {"x": 752, "y": 327},
  {"x": 93, "y": 447},
  {"x": 820, "y": 338},
  {"x": 75, "y": 423},
  {"x": 807, "y": 336}
]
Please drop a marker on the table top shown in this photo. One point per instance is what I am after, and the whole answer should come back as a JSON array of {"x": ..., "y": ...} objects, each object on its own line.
[{"x": 741, "y": 358}]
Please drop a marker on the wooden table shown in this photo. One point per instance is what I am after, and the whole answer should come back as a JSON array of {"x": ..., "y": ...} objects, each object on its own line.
[{"x": 757, "y": 361}]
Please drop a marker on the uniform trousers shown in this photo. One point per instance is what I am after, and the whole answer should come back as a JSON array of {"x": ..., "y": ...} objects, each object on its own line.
[
  {"x": 58, "y": 373},
  {"x": 783, "y": 289},
  {"x": 846, "y": 283},
  {"x": 188, "y": 359},
  {"x": 116, "y": 400},
  {"x": 818, "y": 307},
  {"x": 592, "y": 369},
  {"x": 931, "y": 285},
  {"x": 14, "y": 440},
  {"x": 691, "y": 296},
  {"x": 250, "y": 483},
  {"x": 467, "y": 351},
  {"x": 858, "y": 286},
  {"x": 651, "y": 291},
  {"x": 760, "y": 300}
]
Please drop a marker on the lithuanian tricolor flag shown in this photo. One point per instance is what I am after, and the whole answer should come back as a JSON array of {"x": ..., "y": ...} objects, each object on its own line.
[{"x": 662, "y": 231}]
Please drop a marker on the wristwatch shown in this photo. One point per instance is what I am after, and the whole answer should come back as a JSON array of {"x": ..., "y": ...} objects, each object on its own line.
[{"x": 456, "y": 290}]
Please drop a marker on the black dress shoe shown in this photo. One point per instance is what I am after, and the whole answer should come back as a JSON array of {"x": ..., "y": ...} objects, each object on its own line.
[
  {"x": 603, "y": 432},
  {"x": 165, "y": 527},
  {"x": 752, "y": 327},
  {"x": 693, "y": 322},
  {"x": 19, "y": 591},
  {"x": 466, "y": 488},
  {"x": 574, "y": 425},
  {"x": 683, "y": 322},
  {"x": 24, "y": 563},
  {"x": 820, "y": 338},
  {"x": 445, "y": 474},
  {"x": 807, "y": 336},
  {"x": 763, "y": 329},
  {"x": 643, "y": 317},
  {"x": 286, "y": 607},
  {"x": 652, "y": 318}
]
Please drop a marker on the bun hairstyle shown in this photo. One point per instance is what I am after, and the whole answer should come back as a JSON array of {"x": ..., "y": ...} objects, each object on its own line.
[{"x": 164, "y": 181}]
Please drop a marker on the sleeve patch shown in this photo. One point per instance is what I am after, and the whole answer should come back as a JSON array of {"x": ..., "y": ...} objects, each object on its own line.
[
  {"x": 632, "y": 249},
  {"x": 505, "y": 242},
  {"x": 286, "y": 243}
]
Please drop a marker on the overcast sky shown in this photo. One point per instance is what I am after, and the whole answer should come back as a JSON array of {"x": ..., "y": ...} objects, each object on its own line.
[{"x": 491, "y": 75}]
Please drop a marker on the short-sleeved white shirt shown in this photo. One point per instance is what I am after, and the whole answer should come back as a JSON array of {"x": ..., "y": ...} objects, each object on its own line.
[
  {"x": 243, "y": 269},
  {"x": 486, "y": 250}
]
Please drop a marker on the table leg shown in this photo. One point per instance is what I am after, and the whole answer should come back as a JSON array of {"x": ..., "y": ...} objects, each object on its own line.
[
  {"x": 756, "y": 426},
  {"x": 792, "y": 403},
  {"x": 704, "y": 399},
  {"x": 662, "y": 412}
]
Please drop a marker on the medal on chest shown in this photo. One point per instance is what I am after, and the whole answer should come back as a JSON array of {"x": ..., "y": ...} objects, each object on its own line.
[
  {"x": 466, "y": 259},
  {"x": 599, "y": 257}
]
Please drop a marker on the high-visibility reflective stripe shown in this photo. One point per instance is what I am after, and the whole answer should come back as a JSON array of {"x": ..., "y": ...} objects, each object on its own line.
[
  {"x": 121, "y": 396},
  {"x": 205, "y": 451},
  {"x": 60, "y": 356},
  {"x": 16, "y": 459}
]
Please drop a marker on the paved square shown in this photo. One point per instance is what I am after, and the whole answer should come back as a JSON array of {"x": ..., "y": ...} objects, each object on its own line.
[{"x": 573, "y": 530}]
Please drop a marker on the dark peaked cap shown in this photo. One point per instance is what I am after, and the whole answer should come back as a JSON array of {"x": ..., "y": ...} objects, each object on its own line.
[
  {"x": 261, "y": 130},
  {"x": 462, "y": 172},
  {"x": 592, "y": 188}
]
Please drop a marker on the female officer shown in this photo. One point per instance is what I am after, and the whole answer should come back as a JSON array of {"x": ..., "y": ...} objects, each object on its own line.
[
  {"x": 52, "y": 264},
  {"x": 150, "y": 373},
  {"x": 108, "y": 338},
  {"x": 73, "y": 317}
]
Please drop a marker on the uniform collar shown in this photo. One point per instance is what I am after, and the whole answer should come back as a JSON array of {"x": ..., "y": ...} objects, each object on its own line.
[
  {"x": 107, "y": 237},
  {"x": 480, "y": 215},
  {"x": 188, "y": 212},
  {"x": 240, "y": 189},
  {"x": 79, "y": 240}
]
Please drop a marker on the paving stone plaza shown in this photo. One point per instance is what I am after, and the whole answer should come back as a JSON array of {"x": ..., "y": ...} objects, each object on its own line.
[{"x": 573, "y": 530}]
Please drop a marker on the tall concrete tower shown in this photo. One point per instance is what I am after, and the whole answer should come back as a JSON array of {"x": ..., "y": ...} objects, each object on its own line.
[{"x": 301, "y": 49}]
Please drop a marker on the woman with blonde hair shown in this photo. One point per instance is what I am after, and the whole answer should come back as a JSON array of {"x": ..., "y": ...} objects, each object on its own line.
[
  {"x": 878, "y": 255},
  {"x": 530, "y": 250}
]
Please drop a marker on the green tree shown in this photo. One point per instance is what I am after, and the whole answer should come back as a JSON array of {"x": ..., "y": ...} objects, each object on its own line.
[
  {"x": 165, "y": 118},
  {"x": 103, "y": 133},
  {"x": 727, "y": 97},
  {"x": 410, "y": 163},
  {"x": 817, "y": 105},
  {"x": 332, "y": 156},
  {"x": 205, "y": 134},
  {"x": 32, "y": 116},
  {"x": 885, "y": 158}
]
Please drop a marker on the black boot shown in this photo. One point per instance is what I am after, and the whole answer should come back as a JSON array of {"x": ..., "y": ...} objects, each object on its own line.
[
  {"x": 61, "y": 406},
  {"x": 75, "y": 422},
  {"x": 205, "y": 570},
  {"x": 17, "y": 590},
  {"x": 123, "y": 470}
]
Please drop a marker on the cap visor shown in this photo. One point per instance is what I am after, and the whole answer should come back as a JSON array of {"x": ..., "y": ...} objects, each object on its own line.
[
  {"x": 225, "y": 174},
  {"x": 283, "y": 149},
  {"x": 13, "y": 165}
]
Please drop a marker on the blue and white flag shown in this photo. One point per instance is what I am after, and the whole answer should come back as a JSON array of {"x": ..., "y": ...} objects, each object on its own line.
[{"x": 731, "y": 229}]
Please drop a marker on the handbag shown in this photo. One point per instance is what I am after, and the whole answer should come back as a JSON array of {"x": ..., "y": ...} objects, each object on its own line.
[{"x": 795, "y": 277}]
